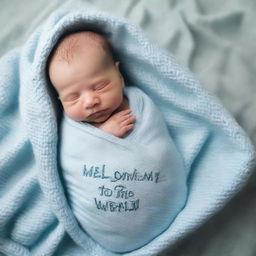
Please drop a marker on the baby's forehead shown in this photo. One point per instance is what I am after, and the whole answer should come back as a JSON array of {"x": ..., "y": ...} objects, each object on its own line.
[{"x": 80, "y": 40}]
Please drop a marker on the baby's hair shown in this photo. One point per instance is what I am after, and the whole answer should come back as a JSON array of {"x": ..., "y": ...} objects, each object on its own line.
[{"x": 68, "y": 44}]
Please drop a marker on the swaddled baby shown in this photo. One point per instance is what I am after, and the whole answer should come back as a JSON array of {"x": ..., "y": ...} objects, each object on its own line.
[{"x": 124, "y": 178}]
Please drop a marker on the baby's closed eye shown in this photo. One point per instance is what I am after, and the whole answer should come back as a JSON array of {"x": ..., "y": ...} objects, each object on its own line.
[
  {"x": 101, "y": 85},
  {"x": 71, "y": 97}
]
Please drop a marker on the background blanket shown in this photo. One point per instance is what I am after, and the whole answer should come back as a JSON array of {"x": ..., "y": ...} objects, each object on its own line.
[{"x": 215, "y": 40}]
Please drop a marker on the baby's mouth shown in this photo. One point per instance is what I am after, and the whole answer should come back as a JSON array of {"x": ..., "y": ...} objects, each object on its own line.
[{"x": 98, "y": 113}]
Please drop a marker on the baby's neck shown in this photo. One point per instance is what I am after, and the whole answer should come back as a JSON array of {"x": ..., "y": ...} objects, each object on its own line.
[{"x": 124, "y": 105}]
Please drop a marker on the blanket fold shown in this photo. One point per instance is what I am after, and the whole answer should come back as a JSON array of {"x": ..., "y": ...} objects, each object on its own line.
[{"x": 35, "y": 216}]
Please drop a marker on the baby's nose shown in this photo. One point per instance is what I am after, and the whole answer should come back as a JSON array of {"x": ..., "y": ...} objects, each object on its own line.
[{"x": 90, "y": 100}]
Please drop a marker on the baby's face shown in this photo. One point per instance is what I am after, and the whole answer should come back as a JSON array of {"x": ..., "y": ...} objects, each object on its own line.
[{"x": 89, "y": 83}]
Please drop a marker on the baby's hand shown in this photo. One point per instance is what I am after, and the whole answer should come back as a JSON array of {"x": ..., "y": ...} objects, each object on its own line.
[{"x": 119, "y": 124}]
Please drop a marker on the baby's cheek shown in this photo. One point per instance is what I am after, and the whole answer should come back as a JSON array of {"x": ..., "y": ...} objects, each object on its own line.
[{"x": 75, "y": 112}]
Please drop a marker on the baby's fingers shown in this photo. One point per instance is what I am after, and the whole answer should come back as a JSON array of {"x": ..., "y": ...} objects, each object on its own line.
[
  {"x": 126, "y": 129},
  {"x": 125, "y": 112},
  {"x": 128, "y": 120},
  {"x": 122, "y": 115}
]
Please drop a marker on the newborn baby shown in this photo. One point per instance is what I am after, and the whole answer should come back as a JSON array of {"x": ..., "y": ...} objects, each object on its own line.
[
  {"x": 125, "y": 180},
  {"x": 90, "y": 91}
]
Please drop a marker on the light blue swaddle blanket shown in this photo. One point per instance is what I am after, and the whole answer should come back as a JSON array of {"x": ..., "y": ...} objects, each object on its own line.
[
  {"x": 123, "y": 191},
  {"x": 35, "y": 217}
]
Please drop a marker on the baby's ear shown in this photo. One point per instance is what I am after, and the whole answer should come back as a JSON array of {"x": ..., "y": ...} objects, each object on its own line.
[{"x": 121, "y": 76}]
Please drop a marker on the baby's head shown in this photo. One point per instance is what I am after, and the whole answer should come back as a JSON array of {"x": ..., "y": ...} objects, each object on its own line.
[{"x": 86, "y": 77}]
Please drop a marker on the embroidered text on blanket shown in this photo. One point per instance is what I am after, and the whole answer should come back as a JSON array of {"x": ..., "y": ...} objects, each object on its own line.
[
  {"x": 117, "y": 206},
  {"x": 99, "y": 172}
]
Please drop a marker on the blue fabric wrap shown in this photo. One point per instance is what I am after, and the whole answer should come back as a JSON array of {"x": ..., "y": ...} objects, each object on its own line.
[
  {"x": 35, "y": 217},
  {"x": 123, "y": 191}
]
